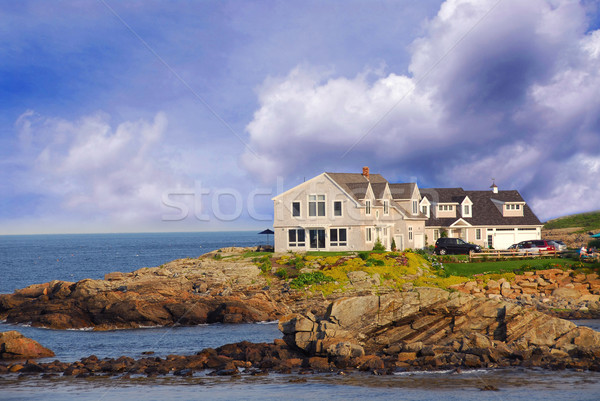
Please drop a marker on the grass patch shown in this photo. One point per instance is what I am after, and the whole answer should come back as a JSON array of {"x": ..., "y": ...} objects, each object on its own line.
[
  {"x": 587, "y": 221},
  {"x": 326, "y": 253},
  {"x": 252, "y": 254},
  {"x": 506, "y": 266}
]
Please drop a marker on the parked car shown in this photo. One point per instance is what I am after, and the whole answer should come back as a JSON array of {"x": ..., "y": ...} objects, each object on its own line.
[
  {"x": 445, "y": 246},
  {"x": 558, "y": 245},
  {"x": 535, "y": 246}
]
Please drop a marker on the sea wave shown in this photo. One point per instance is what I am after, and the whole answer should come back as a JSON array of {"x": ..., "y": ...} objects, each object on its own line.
[{"x": 268, "y": 322}]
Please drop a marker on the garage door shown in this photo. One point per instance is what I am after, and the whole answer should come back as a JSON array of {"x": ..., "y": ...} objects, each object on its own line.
[{"x": 504, "y": 239}]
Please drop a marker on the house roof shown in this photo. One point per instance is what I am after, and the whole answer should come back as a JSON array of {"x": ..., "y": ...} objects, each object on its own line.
[
  {"x": 402, "y": 191},
  {"x": 444, "y": 195},
  {"x": 378, "y": 189},
  {"x": 484, "y": 212},
  {"x": 357, "y": 184}
]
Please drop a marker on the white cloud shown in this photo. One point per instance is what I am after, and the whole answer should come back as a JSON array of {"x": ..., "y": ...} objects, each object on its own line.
[
  {"x": 91, "y": 169},
  {"x": 497, "y": 89}
]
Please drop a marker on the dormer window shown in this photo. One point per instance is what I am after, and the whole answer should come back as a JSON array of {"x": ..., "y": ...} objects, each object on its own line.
[
  {"x": 425, "y": 210},
  {"x": 466, "y": 210}
]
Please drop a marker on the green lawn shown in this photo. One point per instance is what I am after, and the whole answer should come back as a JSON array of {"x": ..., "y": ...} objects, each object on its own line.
[{"x": 507, "y": 266}]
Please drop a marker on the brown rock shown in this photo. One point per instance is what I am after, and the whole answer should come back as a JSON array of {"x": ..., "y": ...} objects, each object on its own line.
[{"x": 14, "y": 345}]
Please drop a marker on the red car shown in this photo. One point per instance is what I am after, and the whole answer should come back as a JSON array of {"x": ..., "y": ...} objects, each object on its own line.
[{"x": 536, "y": 245}]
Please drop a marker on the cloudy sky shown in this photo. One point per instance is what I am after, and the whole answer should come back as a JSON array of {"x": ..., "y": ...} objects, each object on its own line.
[{"x": 175, "y": 116}]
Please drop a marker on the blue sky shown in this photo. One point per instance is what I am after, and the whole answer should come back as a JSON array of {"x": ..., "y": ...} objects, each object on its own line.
[{"x": 190, "y": 115}]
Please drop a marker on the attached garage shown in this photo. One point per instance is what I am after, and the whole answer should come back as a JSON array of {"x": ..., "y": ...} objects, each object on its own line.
[{"x": 502, "y": 238}]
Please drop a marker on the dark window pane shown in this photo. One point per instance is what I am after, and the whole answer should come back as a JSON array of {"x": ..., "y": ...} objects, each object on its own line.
[
  {"x": 321, "y": 209},
  {"x": 343, "y": 234},
  {"x": 337, "y": 208},
  {"x": 296, "y": 209},
  {"x": 292, "y": 235},
  {"x": 333, "y": 234},
  {"x": 301, "y": 236},
  {"x": 312, "y": 208}
]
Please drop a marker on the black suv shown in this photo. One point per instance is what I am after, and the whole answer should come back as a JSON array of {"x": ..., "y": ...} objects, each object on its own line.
[{"x": 445, "y": 246}]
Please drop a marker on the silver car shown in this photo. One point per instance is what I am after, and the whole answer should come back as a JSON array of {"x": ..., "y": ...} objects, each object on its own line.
[{"x": 558, "y": 245}]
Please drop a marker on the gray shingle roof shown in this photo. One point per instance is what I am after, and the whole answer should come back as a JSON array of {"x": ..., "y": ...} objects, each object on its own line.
[
  {"x": 485, "y": 212},
  {"x": 356, "y": 184},
  {"x": 402, "y": 191}
]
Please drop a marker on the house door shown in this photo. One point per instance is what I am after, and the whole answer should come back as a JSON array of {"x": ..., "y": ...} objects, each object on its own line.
[
  {"x": 399, "y": 243},
  {"x": 317, "y": 238},
  {"x": 379, "y": 234}
]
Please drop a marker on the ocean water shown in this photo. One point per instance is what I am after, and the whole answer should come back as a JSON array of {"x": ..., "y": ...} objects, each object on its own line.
[
  {"x": 26, "y": 260},
  {"x": 33, "y": 259}
]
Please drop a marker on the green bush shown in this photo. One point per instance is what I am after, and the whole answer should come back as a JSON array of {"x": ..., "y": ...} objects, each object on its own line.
[
  {"x": 264, "y": 263},
  {"x": 282, "y": 273},
  {"x": 306, "y": 279},
  {"x": 595, "y": 243},
  {"x": 378, "y": 246}
]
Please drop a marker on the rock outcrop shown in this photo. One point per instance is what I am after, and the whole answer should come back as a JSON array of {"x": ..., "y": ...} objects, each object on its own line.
[
  {"x": 564, "y": 293},
  {"x": 14, "y": 345},
  {"x": 186, "y": 292},
  {"x": 440, "y": 327}
]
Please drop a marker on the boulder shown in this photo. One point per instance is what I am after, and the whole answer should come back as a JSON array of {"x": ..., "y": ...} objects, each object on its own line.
[
  {"x": 14, "y": 345},
  {"x": 429, "y": 319}
]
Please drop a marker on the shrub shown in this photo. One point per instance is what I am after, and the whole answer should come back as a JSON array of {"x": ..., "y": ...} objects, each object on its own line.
[
  {"x": 264, "y": 263},
  {"x": 282, "y": 273},
  {"x": 595, "y": 243},
  {"x": 306, "y": 279},
  {"x": 393, "y": 245},
  {"x": 378, "y": 246}
]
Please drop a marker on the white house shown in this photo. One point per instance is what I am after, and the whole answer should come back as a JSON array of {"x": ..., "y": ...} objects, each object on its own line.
[{"x": 349, "y": 212}]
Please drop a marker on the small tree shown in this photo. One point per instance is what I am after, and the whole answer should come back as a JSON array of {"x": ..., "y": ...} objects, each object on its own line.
[
  {"x": 443, "y": 234},
  {"x": 394, "y": 245},
  {"x": 378, "y": 245}
]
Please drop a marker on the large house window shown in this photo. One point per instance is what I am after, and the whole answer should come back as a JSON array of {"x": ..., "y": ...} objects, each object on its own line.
[
  {"x": 436, "y": 235},
  {"x": 316, "y": 205},
  {"x": 478, "y": 233},
  {"x": 337, "y": 208},
  {"x": 337, "y": 237},
  {"x": 415, "y": 207},
  {"x": 386, "y": 207},
  {"x": 369, "y": 234},
  {"x": 410, "y": 234},
  {"x": 368, "y": 207},
  {"x": 296, "y": 237},
  {"x": 296, "y": 209}
]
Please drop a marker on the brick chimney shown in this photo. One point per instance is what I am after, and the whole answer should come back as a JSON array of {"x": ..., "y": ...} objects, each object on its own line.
[{"x": 365, "y": 172}]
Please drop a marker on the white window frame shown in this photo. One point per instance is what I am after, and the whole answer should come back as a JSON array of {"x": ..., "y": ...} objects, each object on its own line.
[
  {"x": 338, "y": 242},
  {"x": 436, "y": 234},
  {"x": 368, "y": 234},
  {"x": 415, "y": 207},
  {"x": 478, "y": 233},
  {"x": 299, "y": 209},
  {"x": 410, "y": 233},
  {"x": 368, "y": 207},
  {"x": 296, "y": 243},
  {"x": 341, "y": 209},
  {"x": 386, "y": 207},
  {"x": 466, "y": 210},
  {"x": 317, "y": 199}
]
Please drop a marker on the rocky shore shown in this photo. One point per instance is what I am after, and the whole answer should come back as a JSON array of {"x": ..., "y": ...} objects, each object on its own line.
[
  {"x": 368, "y": 325},
  {"x": 561, "y": 293},
  {"x": 422, "y": 329},
  {"x": 185, "y": 292}
]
